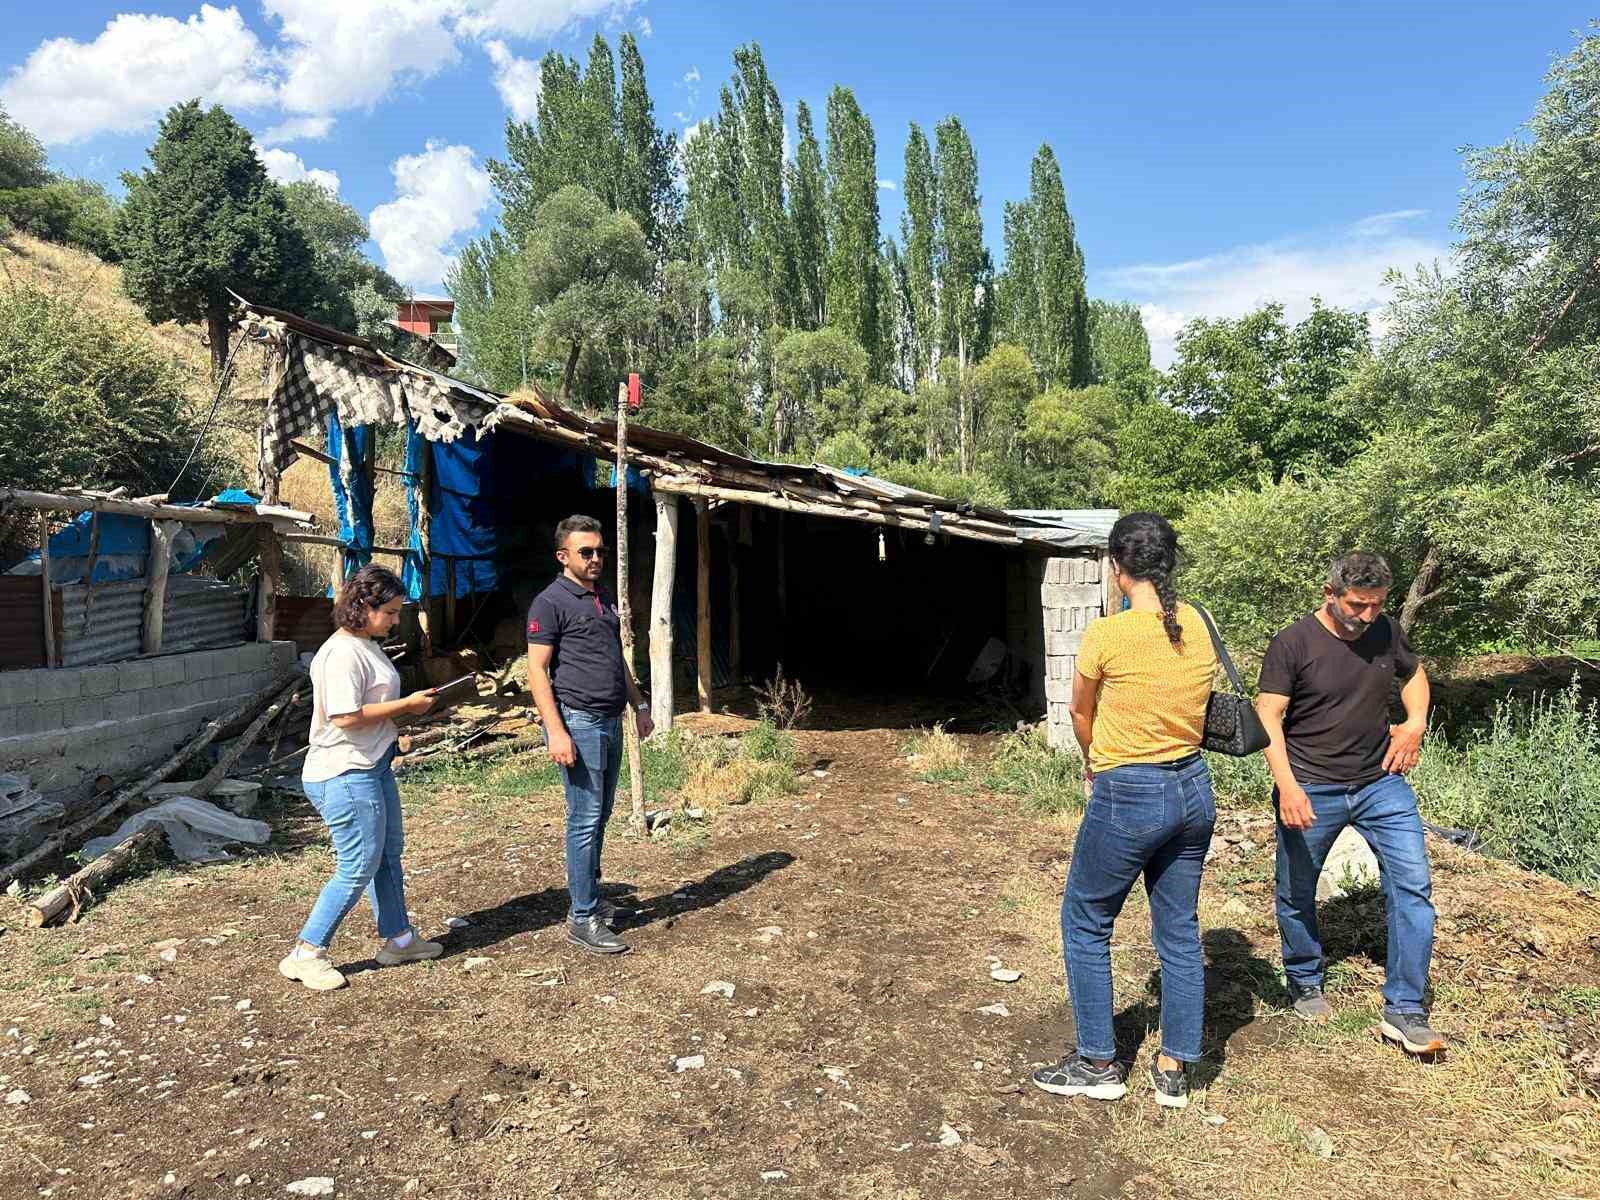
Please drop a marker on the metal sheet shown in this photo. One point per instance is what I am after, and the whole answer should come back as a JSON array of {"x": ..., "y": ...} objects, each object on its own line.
[
  {"x": 21, "y": 622},
  {"x": 109, "y": 625}
]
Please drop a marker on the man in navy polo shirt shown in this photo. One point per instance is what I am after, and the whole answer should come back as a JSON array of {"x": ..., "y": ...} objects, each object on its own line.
[{"x": 581, "y": 684}]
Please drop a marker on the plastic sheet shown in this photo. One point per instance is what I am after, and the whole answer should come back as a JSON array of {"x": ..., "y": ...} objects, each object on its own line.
[{"x": 197, "y": 830}]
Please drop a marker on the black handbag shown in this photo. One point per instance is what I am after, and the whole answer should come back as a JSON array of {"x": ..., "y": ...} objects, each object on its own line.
[{"x": 1232, "y": 726}]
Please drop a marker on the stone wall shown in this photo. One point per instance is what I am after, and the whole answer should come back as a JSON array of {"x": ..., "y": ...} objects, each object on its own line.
[
  {"x": 64, "y": 727},
  {"x": 1071, "y": 596}
]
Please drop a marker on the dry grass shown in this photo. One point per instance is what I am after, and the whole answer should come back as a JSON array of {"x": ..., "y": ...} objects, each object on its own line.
[
  {"x": 938, "y": 756},
  {"x": 722, "y": 772}
]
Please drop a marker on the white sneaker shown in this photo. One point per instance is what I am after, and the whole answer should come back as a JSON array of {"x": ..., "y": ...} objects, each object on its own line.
[{"x": 316, "y": 971}]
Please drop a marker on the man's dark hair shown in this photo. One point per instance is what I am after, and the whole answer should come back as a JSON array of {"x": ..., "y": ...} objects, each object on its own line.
[
  {"x": 370, "y": 588},
  {"x": 1145, "y": 547},
  {"x": 577, "y": 523},
  {"x": 1359, "y": 569}
]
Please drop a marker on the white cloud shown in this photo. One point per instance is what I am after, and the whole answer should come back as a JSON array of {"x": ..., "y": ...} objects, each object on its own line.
[
  {"x": 351, "y": 54},
  {"x": 1344, "y": 269},
  {"x": 535, "y": 18},
  {"x": 286, "y": 167},
  {"x": 646, "y": 28},
  {"x": 296, "y": 129},
  {"x": 137, "y": 68},
  {"x": 692, "y": 75},
  {"x": 693, "y": 130},
  {"x": 888, "y": 185},
  {"x": 516, "y": 79},
  {"x": 440, "y": 195}
]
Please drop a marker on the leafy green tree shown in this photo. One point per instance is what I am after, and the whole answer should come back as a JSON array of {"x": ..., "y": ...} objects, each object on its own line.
[
  {"x": 499, "y": 322},
  {"x": 1045, "y": 308},
  {"x": 699, "y": 392},
  {"x": 846, "y": 450},
  {"x": 919, "y": 230},
  {"x": 892, "y": 424},
  {"x": 1002, "y": 386},
  {"x": 1119, "y": 349},
  {"x": 22, "y": 159},
  {"x": 74, "y": 212},
  {"x": 346, "y": 280},
  {"x": 808, "y": 194},
  {"x": 204, "y": 218},
  {"x": 853, "y": 268},
  {"x": 820, "y": 377},
  {"x": 649, "y": 183},
  {"x": 962, "y": 261}
]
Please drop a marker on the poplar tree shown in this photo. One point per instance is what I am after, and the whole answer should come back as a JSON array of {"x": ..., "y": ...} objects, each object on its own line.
[
  {"x": 807, "y": 194},
  {"x": 759, "y": 115},
  {"x": 1044, "y": 305},
  {"x": 919, "y": 231},
  {"x": 961, "y": 261},
  {"x": 853, "y": 226},
  {"x": 649, "y": 183}
]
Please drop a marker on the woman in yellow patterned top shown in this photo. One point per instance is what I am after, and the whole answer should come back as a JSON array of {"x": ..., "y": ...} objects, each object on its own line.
[{"x": 1138, "y": 710}]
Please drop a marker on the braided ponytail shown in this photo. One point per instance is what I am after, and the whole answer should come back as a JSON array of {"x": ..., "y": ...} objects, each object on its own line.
[{"x": 1145, "y": 547}]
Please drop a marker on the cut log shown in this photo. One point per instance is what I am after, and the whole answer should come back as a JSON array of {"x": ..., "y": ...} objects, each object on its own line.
[
  {"x": 155, "y": 582},
  {"x": 516, "y": 745},
  {"x": 76, "y": 832},
  {"x": 661, "y": 690},
  {"x": 281, "y": 702},
  {"x": 71, "y": 893}
]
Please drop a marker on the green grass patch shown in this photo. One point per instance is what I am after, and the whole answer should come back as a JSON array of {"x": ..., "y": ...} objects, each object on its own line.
[
  {"x": 1577, "y": 1002},
  {"x": 1044, "y": 781}
]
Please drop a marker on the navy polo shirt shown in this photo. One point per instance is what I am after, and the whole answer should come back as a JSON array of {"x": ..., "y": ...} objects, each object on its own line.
[{"x": 586, "y": 669}]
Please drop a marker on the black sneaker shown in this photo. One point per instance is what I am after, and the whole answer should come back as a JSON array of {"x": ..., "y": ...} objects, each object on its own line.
[
  {"x": 1310, "y": 1004},
  {"x": 1411, "y": 1030},
  {"x": 591, "y": 934},
  {"x": 1077, "y": 1076},
  {"x": 1172, "y": 1087}
]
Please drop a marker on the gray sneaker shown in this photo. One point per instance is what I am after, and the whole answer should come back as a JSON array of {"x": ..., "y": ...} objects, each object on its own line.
[
  {"x": 591, "y": 934},
  {"x": 1077, "y": 1076},
  {"x": 1411, "y": 1030},
  {"x": 1310, "y": 1004}
]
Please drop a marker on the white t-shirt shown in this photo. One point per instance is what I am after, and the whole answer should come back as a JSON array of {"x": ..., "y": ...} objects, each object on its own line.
[{"x": 347, "y": 673}]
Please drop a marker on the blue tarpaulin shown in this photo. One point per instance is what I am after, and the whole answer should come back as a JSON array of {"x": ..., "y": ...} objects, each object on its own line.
[{"x": 124, "y": 547}]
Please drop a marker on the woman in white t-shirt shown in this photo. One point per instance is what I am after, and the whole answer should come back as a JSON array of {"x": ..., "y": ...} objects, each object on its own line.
[{"x": 355, "y": 698}]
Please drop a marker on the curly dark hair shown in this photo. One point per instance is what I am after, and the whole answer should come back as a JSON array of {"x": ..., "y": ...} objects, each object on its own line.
[
  {"x": 1359, "y": 569},
  {"x": 1145, "y": 547},
  {"x": 369, "y": 588}
]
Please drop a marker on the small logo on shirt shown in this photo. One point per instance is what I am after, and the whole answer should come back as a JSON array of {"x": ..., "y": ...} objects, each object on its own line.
[{"x": 533, "y": 627}]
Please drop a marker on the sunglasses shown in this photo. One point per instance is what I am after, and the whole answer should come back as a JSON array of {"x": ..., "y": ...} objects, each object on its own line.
[{"x": 589, "y": 552}]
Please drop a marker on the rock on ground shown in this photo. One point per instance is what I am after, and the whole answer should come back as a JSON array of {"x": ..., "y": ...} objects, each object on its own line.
[{"x": 1350, "y": 861}]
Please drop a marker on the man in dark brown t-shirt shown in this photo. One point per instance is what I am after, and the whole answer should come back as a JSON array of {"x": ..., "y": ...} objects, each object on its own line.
[{"x": 1336, "y": 761}]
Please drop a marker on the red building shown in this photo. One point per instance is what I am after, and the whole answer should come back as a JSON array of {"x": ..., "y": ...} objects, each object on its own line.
[{"x": 429, "y": 319}]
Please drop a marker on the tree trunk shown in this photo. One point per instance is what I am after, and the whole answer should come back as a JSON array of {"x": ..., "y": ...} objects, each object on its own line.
[
  {"x": 630, "y": 731},
  {"x": 217, "y": 334},
  {"x": 572, "y": 369},
  {"x": 666, "y": 568},
  {"x": 1422, "y": 588}
]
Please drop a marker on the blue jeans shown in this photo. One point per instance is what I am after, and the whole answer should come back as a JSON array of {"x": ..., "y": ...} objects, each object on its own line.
[
  {"x": 1385, "y": 813},
  {"x": 591, "y": 784},
  {"x": 362, "y": 812},
  {"x": 1155, "y": 821}
]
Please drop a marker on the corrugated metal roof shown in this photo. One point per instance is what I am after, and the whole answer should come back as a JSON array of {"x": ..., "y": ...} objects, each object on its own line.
[
  {"x": 109, "y": 626},
  {"x": 1070, "y": 527}
]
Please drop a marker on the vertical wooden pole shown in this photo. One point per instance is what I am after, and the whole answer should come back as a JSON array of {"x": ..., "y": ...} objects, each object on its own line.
[
  {"x": 661, "y": 690},
  {"x": 44, "y": 576},
  {"x": 271, "y": 572},
  {"x": 1110, "y": 593},
  {"x": 630, "y": 731},
  {"x": 735, "y": 664},
  {"x": 156, "y": 570},
  {"x": 702, "y": 530}
]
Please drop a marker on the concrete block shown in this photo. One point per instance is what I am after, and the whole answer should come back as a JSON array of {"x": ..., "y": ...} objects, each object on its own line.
[
  {"x": 1070, "y": 595},
  {"x": 252, "y": 656},
  {"x": 63, "y": 684},
  {"x": 8, "y": 721},
  {"x": 84, "y": 712},
  {"x": 169, "y": 670},
  {"x": 284, "y": 655},
  {"x": 136, "y": 676},
  {"x": 41, "y": 718},
  {"x": 1055, "y": 570},
  {"x": 100, "y": 681},
  {"x": 19, "y": 687},
  {"x": 160, "y": 701},
  {"x": 1059, "y": 667},
  {"x": 200, "y": 666},
  {"x": 1058, "y": 690},
  {"x": 122, "y": 707},
  {"x": 1063, "y": 643}
]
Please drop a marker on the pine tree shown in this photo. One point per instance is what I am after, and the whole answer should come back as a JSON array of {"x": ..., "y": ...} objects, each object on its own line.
[
  {"x": 204, "y": 218},
  {"x": 853, "y": 225},
  {"x": 807, "y": 194},
  {"x": 919, "y": 229}
]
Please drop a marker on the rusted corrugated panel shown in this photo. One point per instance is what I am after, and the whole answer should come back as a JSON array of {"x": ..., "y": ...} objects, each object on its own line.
[
  {"x": 305, "y": 620},
  {"x": 21, "y": 622},
  {"x": 109, "y": 626}
]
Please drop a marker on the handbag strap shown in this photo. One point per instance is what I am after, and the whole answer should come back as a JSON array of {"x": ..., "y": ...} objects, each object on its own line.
[{"x": 1222, "y": 651}]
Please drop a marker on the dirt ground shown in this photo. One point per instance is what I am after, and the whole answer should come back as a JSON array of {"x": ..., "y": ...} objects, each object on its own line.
[{"x": 857, "y": 921}]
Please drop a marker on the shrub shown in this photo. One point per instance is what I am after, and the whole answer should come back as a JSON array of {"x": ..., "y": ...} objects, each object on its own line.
[
  {"x": 766, "y": 743},
  {"x": 1046, "y": 781},
  {"x": 782, "y": 702},
  {"x": 75, "y": 212},
  {"x": 1530, "y": 786}
]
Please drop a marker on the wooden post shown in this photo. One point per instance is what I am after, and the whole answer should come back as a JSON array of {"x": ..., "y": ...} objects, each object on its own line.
[
  {"x": 271, "y": 571},
  {"x": 155, "y": 582},
  {"x": 44, "y": 576},
  {"x": 702, "y": 530},
  {"x": 88, "y": 573},
  {"x": 735, "y": 666},
  {"x": 1110, "y": 593},
  {"x": 661, "y": 690},
  {"x": 449, "y": 600},
  {"x": 630, "y": 731}
]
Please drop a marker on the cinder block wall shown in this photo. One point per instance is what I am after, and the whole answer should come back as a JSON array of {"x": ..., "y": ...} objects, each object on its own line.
[
  {"x": 64, "y": 727},
  {"x": 1071, "y": 596}
]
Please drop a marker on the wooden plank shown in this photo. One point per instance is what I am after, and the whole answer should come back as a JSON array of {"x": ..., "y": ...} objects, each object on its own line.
[
  {"x": 662, "y": 698},
  {"x": 323, "y": 539},
  {"x": 1111, "y": 594},
  {"x": 630, "y": 731},
  {"x": 155, "y": 582},
  {"x": 44, "y": 573},
  {"x": 53, "y": 502},
  {"x": 271, "y": 572},
  {"x": 702, "y": 589}
]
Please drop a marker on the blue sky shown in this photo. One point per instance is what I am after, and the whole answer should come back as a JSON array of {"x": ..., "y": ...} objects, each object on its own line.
[{"x": 1215, "y": 155}]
